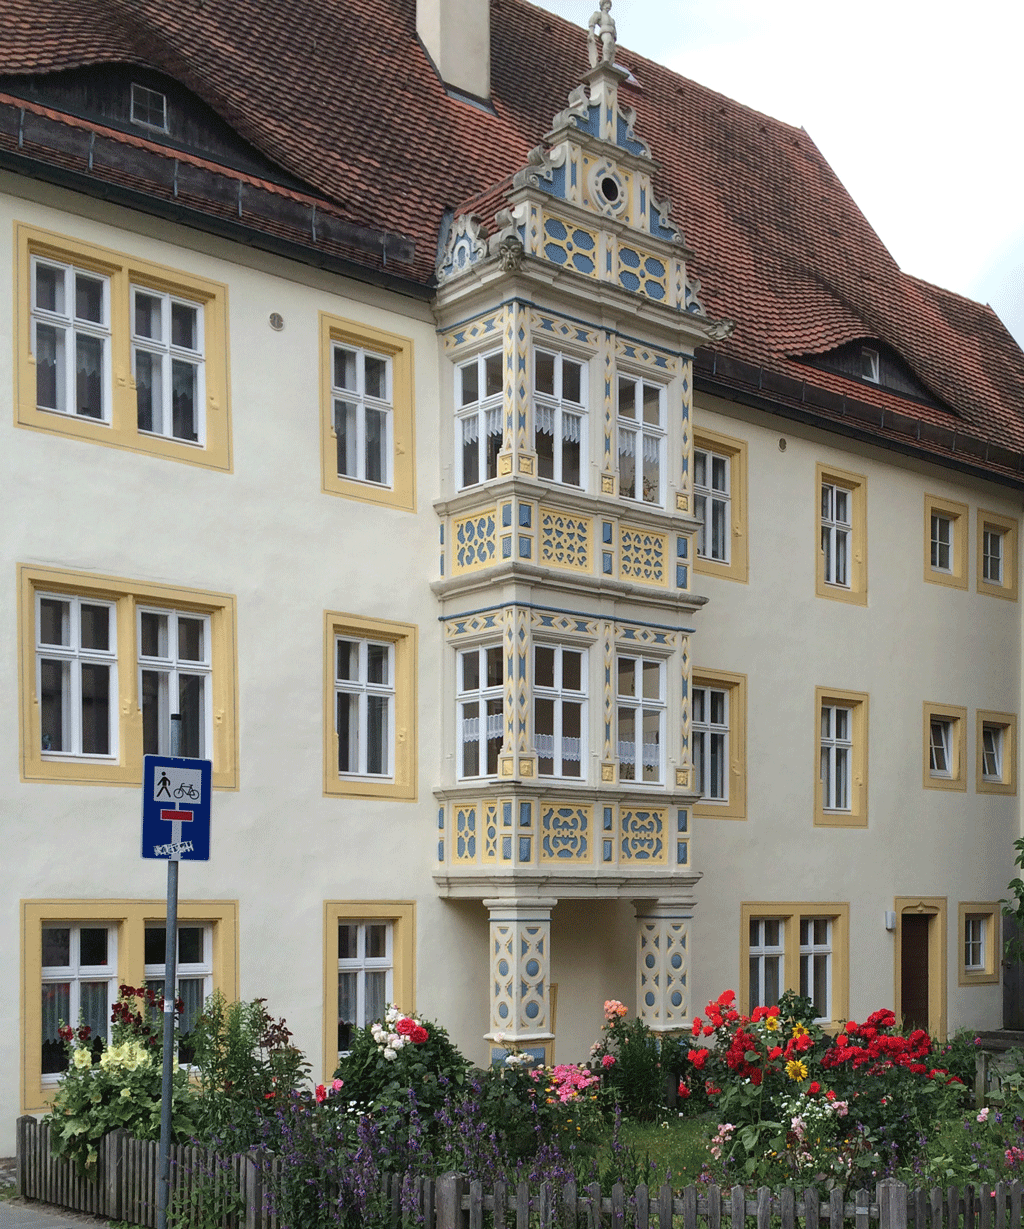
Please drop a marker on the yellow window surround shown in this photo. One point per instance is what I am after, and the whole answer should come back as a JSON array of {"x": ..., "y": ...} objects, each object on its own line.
[
  {"x": 129, "y": 917},
  {"x": 987, "y": 913},
  {"x": 856, "y": 815},
  {"x": 736, "y": 687},
  {"x": 790, "y": 913},
  {"x": 954, "y": 717},
  {"x": 400, "y": 492},
  {"x": 123, "y": 272},
  {"x": 735, "y": 452},
  {"x": 855, "y": 589},
  {"x": 1006, "y": 526},
  {"x": 126, "y": 595},
  {"x": 1004, "y": 726},
  {"x": 957, "y": 514},
  {"x": 402, "y": 782},
  {"x": 402, "y": 916}
]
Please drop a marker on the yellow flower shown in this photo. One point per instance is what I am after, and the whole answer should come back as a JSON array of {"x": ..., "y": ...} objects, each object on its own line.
[
  {"x": 772, "y": 1024},
  {"x": 796, "y": 1070},
  {"x": 799, "y": 1030},
  {"x": 126, "y": 1093},
  {"x": 82, "y": 1058}
]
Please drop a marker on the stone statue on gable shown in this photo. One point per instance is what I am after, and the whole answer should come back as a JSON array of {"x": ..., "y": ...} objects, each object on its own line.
[{"x": 601, "y": 29}]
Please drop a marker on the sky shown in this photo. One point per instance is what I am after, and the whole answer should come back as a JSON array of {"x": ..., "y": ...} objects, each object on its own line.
[{"x": 918, "y": 107}]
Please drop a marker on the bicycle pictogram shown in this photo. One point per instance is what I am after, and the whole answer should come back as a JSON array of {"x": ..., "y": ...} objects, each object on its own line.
[{"x": 185, "y": 790}]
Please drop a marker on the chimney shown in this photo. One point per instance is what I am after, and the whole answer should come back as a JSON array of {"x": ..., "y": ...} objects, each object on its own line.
[{"x": 457, "y": 36}]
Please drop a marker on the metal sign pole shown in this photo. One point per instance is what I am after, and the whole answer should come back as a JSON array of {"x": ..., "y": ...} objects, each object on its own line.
[{"x": 170, "y": 985}]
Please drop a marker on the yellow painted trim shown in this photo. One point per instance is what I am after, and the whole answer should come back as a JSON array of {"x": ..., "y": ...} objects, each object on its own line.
[
  {"x": 957, "y": 717},
  {"x": 934, "y": 906},
  {"x": 124, "y": 271},
  {"x": 738, "y": 567},
  {"x": 989, "y": 912},
  {"x": 404, "y": 637},
  {"x": 402, "y": 915},
  {"x": 857, "y": 485},
  {"x": 857, "y": 816},
  {"x": 126, "y": 769},
  {"x": 736, "y": 685},
  {"x": 402, "y": 492},
  {"x": 1008, "y": 723},
  {"x": 790, "y": 912},
  {"x": 1007, "y": 525},
  {"x": 958, "y": 513},
  {"x": 130, "y": 917}
]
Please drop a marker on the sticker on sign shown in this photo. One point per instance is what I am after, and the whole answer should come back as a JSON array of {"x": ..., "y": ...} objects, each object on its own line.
[{"x": 177, "y": 785}]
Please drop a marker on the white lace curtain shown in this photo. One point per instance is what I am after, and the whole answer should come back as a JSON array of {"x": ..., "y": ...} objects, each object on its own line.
[
  {"x": 651, "y": 754},
  {"x": 471, "y": 727},
  {"x": 544, "y": 416},
  {"x": 627, "y": 446},
  {"x": 544, "y": 745},
  {"x": 471, "y": 425}
]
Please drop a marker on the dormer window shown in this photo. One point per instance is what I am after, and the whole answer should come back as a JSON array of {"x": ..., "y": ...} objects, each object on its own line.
[
  {"x": 869, "y": 364},
  {"x": 149, "y": 108}
]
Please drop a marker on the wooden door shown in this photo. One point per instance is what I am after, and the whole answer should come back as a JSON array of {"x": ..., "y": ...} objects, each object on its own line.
[{"x": 914, "y": 969}]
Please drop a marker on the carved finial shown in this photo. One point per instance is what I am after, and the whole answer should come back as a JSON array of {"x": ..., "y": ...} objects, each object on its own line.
[{"x": 601, "y": 30}]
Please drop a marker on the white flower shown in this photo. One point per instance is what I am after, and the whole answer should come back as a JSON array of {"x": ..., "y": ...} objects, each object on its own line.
[
  {"x": 390, "y": 1054},
  {"x": 82, "y": 1058},
  {"x": 499, "y": 1038}
]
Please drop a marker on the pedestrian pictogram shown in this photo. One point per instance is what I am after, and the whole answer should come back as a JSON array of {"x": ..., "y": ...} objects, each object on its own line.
[{"x": 176, "y": 808}]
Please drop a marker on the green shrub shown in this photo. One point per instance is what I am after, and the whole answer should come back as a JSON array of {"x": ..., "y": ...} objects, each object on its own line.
[{"x": 629, "y": 1057}]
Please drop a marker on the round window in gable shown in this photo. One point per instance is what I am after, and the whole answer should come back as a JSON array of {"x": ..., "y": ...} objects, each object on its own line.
[{"x": 609, "y": 189}]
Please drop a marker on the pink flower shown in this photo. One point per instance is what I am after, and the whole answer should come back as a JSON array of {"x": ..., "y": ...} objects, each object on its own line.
[
  {"x": 336, "y": 1084},
  {"x": 608, "y": 1061},
  {"x": 405, "y": 1026}
]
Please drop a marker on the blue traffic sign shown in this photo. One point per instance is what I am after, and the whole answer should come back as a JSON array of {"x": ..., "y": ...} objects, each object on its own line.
[{"x": 176, "y": 808}]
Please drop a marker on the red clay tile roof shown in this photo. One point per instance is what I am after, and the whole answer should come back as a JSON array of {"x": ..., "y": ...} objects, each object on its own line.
[{"x": 341, "y": 94}]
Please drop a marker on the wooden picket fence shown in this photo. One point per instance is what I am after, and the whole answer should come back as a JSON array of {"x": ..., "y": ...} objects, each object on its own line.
[{"x": 125, "y": 1190}]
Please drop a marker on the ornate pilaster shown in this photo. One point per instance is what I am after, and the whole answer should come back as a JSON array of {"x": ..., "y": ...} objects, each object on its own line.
[
  {"x": 663, "y": 962},
  {"x": 520, "y": 964}
]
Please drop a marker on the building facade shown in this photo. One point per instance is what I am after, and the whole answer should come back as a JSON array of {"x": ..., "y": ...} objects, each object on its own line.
[{"x": 506, "y": 551}]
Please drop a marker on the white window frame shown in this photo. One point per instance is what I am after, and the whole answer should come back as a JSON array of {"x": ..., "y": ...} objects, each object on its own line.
[
  {"x": 809, "y": 949},
  {"x": 993, "y": 746},
  {"x": 942, "y": 540},
  {"x": 992, "y": 553},
  {"x": 836, "y": 533},
  {"x": 940, "y": 747},
  {"x": 554, "y": 406},
  {"x": 761, "y": 952},
  {"x": 480, "y": 420},
  {"x": 71, "y": 326},
  {"x": 708, "y": 494},
  {"x": 647, "y": 440},
  {"x": 172, "y": 667},
  {"x": 361, "y": 964},
  {"x": 708, "y": 738},
  {"x": 73, "y": 657},
  {"x": 974, "y": 938},
  {"x": 361, "y": 400},
  {"x": 76, "y": 973},
  {"x": 470, "y": 730},
  {"x": 164, "y": 348},
  {"x": 364, "y": 689},
  {"x": 194, "y": 971},
  {"x": 559, "y": 696},
  {"x": 640, "y": 705},
  {"x": 836, "y": 757},
  {"x": 144, "y": 94},
  {"x": 869, "y": 365}
]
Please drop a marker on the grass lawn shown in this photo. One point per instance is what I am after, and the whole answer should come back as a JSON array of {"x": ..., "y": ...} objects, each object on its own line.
[{"x": 674, "y": 1144}]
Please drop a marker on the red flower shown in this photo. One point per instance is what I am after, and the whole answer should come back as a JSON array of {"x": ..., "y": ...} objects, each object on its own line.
[
  {"x": 697, "y": 1025},
  {"x": 321, "y": 1093},
  {"x": 405, "y": 1026},
  {"x": 682, "y": 1090},
  {"x": 418, "y": 1035},
  {"x": 842, "y": 1040},
  {"x": 775, "y": 1052},
  {"x": 830, "y": 1095},
  {"x": 65, "y": 1033},
  {"x": 726, "y": 997},
  {"x": 813, "y": 1087},
  {"x": 698, "y": 1057},
  {"x": 756, "y": 1076},
  {"x": 707, "y": 1030}
]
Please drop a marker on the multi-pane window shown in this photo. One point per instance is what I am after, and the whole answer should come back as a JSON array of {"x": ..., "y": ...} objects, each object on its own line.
[
  {"x": 766, "y": 951},
  {"x": 194, "y": 974},
  {"x": 640, "y": 702},
  {"x": 641, "y": 439},
  {"x": 174, "y": 679},
  {"x": 365, "y": 975},
  {"x": 942, "y": 542},
  {"x": 559, "y": 411},
  {"x": 709, "y": 732},
  {"x": 71, "y": 339},
  {"x": 479, "y": 401},
  {"x": 992, "y": 752},
  {"x": 364, "y": 673},
  {"x": 362, "y": 405},
  {"x": 940, "y": 745},
  {"x": 712, "y": 504},
  {"x": 76, "y": 675},
  {"x": 836, "y": 754},
  {"x": 836, "y": 529},
  {"x": 149, "y": 108},
  {"x": 974, "y": 943},
  {"x": 559, "y": 710},
  {"x": 481, "y": 723},
  {"x": 992, "y": 556},
  {"x": 816, "y": 964},
  {"x": 79, "y": 977},
  {"x": 168, "y": 365}
]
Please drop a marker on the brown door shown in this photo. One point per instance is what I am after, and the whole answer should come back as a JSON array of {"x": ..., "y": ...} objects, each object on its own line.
[{"x": 914, "y": 969}]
